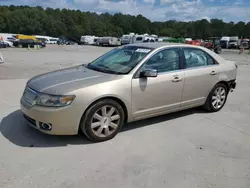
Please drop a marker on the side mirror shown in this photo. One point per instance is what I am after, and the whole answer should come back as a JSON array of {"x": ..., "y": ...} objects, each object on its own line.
[{"x": 149, "y": 73}]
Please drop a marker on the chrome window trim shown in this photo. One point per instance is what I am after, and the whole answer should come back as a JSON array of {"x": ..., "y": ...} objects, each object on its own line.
[{"x": 151, "y": 54}]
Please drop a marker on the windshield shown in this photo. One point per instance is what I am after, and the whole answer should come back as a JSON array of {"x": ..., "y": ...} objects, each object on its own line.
[{"x": 119, "y": 60}]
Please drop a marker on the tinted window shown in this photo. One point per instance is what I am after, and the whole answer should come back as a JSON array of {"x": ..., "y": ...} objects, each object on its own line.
[
  {"x": 164, "y": 61},
  {"x": 139, "y": 38},
  {"x": 197, "y": 58}
]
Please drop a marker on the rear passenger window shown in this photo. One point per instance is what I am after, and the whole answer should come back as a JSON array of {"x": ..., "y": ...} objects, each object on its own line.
[{"x": 197, "y": 58}]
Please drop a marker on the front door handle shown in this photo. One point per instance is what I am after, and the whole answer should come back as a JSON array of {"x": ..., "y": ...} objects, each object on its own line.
[
  {"x": 176, "y": 79},
  {"x": 213, "y": 73}
]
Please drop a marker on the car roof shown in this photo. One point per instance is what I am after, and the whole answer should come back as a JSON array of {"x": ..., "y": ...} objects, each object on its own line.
[{"x": 155, "y": 45}]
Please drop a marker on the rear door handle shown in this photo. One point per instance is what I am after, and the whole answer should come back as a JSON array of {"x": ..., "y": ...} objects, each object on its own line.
[
  {"x": 213, "y": 73},
  {"x": 176, "y": 79}
]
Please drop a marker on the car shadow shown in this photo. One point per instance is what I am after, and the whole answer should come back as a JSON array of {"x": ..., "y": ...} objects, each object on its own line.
[{"x": 15, "y": 129}]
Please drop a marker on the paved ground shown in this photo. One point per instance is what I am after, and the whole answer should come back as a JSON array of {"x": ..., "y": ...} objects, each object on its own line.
[{"x": 182, "y": 150}]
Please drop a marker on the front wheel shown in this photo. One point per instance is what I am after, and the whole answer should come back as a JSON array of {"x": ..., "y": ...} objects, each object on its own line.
[
  {"x": 217, "y": 98},
  {"x": 103, "y": 120}
]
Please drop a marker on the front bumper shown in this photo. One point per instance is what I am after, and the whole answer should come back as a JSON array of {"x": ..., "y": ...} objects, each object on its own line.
[{"x": 63, "y": 121}]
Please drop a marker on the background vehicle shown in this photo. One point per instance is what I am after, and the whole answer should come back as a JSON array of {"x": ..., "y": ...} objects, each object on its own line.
[
  {"x": 31, "y": 37},
  {"x": 213, "y": 44},
  {"x": 2, "y": 44},
  {"x": 188, "y": 39},
  {"x": 224, "y": 42},
  {"x": 47, "y": 39},
  {"x": 139, "y": 38},
  {"x": 65, "y": 41},
  {"x": 194, "y": 42},
  {"x": 62, "y": 41},
  {"x": 87, "y": 39},
  {"x": 25, "y": 43},
  {"x": 234, "y": 42},
  {"x": 11, "y": 39},
  {"x": 8, "y": 43},
  {"x": 126, "y": 84},
  {"x": 127, "y": 39},
  {"x": 96, "y": 41},
  {"x": 245, "y": 43},
  {"x": 52, "y": 41},
  {"x": 109, "y": 41}
]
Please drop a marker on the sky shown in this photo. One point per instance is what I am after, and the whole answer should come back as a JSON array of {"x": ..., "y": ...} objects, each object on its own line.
[{"x": 155, "y": 10}]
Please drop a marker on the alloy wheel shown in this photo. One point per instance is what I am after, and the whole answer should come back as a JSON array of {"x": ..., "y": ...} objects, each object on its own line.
[
  {"x": 219, "y": 97},
  {"x": 105, "y": 121}
]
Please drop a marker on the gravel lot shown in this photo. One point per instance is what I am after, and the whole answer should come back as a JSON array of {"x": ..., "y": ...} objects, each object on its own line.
[{"x": 188, "y": 149}]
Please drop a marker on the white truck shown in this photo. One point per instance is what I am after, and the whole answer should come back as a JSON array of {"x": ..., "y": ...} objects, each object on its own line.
[
  {"x": 224, "y": 42},
  {"x": 234, "y": 42}
]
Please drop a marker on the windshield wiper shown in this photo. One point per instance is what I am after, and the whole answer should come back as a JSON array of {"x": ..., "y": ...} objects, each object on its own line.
[{"x": 96, "y": 68}]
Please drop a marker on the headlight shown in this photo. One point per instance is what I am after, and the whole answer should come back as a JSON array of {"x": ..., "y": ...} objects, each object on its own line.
[{"x": 55, "y": 101}]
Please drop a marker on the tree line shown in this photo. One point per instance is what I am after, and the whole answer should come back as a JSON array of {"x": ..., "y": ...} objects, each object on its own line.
[{"x": 74, "y": 23}]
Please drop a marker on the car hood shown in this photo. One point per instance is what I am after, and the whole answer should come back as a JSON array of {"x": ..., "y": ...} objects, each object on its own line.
[{"x": 66, "y": 80}]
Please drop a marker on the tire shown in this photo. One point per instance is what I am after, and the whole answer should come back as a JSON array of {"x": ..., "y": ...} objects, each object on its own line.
[
  {"x": 98, "y": 128},
  {"x": 218, "y": 50},
  {"x": 210, "y": 104}
]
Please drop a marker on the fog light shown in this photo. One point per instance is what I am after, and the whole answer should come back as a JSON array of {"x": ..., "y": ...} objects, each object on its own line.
[{"x": 45, "y": 126}]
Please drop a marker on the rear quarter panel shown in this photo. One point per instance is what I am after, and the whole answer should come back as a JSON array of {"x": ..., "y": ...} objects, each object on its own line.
[{"x": 228, "y": 71}]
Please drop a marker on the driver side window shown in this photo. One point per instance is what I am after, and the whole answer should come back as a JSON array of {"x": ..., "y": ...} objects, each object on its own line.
[{"x": 164, "y": 61}]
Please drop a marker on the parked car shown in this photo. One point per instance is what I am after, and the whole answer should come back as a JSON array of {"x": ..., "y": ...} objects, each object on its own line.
[
  {"x": 8, "y": 43},
  {"x": 2, "y": 44},
  {"x": 65, "y": 41},
  {"x": 11, "y": 39},
  {"x": 25, "y": 43},
  {"x": 61, "y": 41},
  {"x": 126, "y": 84}
]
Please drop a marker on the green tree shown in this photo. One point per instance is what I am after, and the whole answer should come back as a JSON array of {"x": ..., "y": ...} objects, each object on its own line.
[{"x": 75, "y": 23}]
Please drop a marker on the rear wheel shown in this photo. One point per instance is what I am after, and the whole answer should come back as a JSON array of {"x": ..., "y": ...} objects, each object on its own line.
[
  {"x": 217, "y": 98},
  {"x": 103, "y": 120}
]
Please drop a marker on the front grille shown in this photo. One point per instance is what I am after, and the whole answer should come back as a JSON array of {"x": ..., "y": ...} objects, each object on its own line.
[{"x": 30, "y": 120}]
